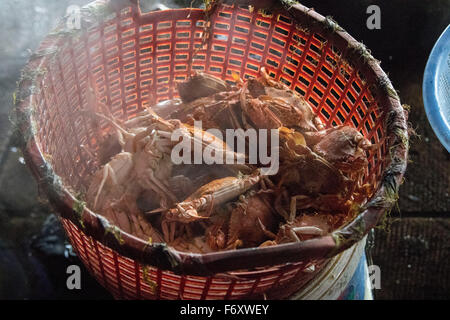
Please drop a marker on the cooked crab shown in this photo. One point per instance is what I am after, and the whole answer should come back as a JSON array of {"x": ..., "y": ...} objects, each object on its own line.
[
  {"x": 144, "y": 165},
  {"x": 245, "y": 223}
]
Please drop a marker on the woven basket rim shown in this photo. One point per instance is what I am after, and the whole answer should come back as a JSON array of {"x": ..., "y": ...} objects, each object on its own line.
[{"x": 167, "y": 258}]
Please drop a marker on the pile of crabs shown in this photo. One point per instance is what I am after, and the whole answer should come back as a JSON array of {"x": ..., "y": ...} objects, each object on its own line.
[{"x": 202, "y": 208}]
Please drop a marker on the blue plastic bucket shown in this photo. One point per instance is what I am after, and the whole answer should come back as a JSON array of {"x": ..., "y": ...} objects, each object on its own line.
[{"x": 436, "y": 88}]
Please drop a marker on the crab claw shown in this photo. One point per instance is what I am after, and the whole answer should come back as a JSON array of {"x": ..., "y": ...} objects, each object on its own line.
[{"x": 183, "y": 215}]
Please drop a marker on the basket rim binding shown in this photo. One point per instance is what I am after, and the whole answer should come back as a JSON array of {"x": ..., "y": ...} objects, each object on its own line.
[{"x": 164, "y": 257}]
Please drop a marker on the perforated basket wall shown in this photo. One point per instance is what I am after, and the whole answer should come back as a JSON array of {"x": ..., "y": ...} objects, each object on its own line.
[{"x": 134, "y": 59}]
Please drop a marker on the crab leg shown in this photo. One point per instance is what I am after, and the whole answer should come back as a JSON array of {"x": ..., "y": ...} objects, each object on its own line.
[
  {"x": 161, "y": 186},
  {"x": 165, "y": 230},
  {"x": 117, "y": 170},
  {"x": 106, "y": 171},
  {"x": 169, "y": 230},
  {"x": 88, "y": 150},
  {"x": 173, "y": 229},
  {"x": 293, "y": 235},
  {"x": 278, "y": 205},
  {"x": 114, "y": 123},
  {"x": 268, "y": 233},
  {"x": 151, "y": 182},
  {"x": 258, "y": 113},
  {"x": 92, "y": 101},
  {"x": 308, "y": 230},
  {"x": 293, "y": 207}
]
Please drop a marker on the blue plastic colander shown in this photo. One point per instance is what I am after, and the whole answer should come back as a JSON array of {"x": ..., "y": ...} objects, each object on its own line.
[{"x": 436, "y": 88}]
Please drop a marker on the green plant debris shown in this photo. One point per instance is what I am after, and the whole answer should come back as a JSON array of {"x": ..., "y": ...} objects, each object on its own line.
[
  {"x": 323, "y": 46},
  {"x": 386, "y": 86},
  {"x": 53, "y": 181},
  {"x": 360, "y": 51},
  {"x": 100, "y": 11},
  {"x": 62, "y": 32},
  {"x": 115, "y": 231},
  {"x": 331, "y": 25},
  {"x": 289, "y": 3},
  {"x": 406, "y": 107},
  {"x": 348, "y": 236},
  {"x": 390, "y": 200},
  {"x": 32, "y": 75},
  {"x": 22, "y": 123},
  {"x": 148, "y": 244},
  {"x": 385, "y": 222},
  {"x": 44, "y": 52},
  {"x": 265, "y": 13},
  {"x": 210, "y": 6},
  {"x": 78, "y": 208},
  {"x": 355, "y": 210},
  {"x": 147, "y": 279},
  {"x": 400, "y": 133},
  {"x": 403, "y": 137},
  {"x": 303, "y": 29}
]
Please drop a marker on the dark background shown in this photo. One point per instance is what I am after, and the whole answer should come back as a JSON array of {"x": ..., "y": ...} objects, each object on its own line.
[{"x": 413, "y": 252}]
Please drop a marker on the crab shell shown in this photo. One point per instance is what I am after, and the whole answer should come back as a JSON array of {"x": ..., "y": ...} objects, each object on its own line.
[
  {"x": 246, "y": 220},
  {"x": 287, "y": 105},
  {"x": 201, "y": 85},
  {"x": 216, "y": 237},
  {"x": 216, "y": 112},
  {"x": 122, "y": 165},
  {"x": 117, "y": 202},
  {"x": 344, "y": 147},
  {"x": 192, "y": 245},
  {"x": 313, "y": 176}
]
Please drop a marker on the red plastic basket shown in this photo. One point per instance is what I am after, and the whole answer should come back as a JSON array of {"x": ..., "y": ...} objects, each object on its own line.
[{"x": 134, "y": 59}]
